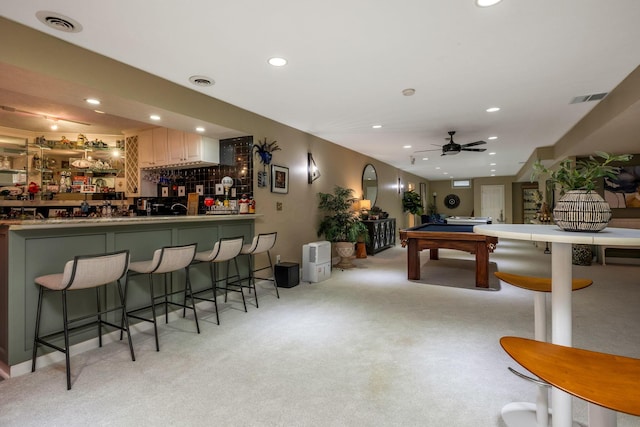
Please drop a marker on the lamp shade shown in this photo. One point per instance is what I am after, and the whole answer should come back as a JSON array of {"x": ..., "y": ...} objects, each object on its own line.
[{"x": 365, "y": 204}]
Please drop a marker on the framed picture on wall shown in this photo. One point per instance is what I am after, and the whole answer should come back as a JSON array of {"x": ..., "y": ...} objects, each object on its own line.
[{"x": 279, "y": 179}]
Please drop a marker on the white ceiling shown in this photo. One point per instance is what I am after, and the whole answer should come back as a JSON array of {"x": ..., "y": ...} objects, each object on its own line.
[{"x": 350, "y": 60}]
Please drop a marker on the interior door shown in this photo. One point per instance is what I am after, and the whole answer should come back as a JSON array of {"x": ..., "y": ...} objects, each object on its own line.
[{"x": 492, "y": 202}]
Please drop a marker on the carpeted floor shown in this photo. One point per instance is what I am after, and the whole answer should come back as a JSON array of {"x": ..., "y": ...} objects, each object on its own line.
[{"x": 365, "y": 348}]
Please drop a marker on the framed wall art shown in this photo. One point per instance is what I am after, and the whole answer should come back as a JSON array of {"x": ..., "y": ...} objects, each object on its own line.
[{"x": 279, "y": 179}]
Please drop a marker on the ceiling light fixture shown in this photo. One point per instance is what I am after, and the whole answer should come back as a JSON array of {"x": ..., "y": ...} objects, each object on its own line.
[
  {"x": 409, "y": 92},
  {"x": 377, "y": 126},
  {"x": 93, "y": 101},
  {"x": 406, "y": 146},
  {"x": 491, "y": 138},
  {"x": 277, "y": 62},
  {"x": 154, "y": 117},
  {"x": 425, "y": 158},
  {"x": 98, "y": 111},
  {"x": 199, "y": 129},
  {"x": 492, "y": 153},
  {"x": 493, "y": 109},
  {"x": 54, "y": 127},
  {"x": 487, "y": 3}
]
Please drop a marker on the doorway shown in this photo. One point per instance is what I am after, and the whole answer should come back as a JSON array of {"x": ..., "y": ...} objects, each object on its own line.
[{"x": 492, "y": 202}]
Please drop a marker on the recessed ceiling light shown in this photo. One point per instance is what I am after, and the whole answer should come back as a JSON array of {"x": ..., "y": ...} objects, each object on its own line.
[
  {"x": 154, "y": 117},
  {"x": 98, "y": 111},
  {"x": 93, "y": 101},
  {"x": 437, "y": 168},
  {"x": 409, "y": 92},
  {"x": 492, "y": 170},
  {"x": 377, "y": 126},
  {"x": 492, "y": 164},
  {"x": 199, "y": 129},
  {"x": 54, "y": 127},
  {"x": 425, "y": 158},
  {"x": 492, "y": 153},
  {"x": 406, "y": 146},
  {"x": 491, "y": 138},
  {"x": 493, "y": 109},
  {"x": 487, "y": 3},
  {"x": 445, "y": 173},
  {"x": 277, "y": 62},
  {"x": 493, "y": 174},
  {"x": 202, "y": 81}
]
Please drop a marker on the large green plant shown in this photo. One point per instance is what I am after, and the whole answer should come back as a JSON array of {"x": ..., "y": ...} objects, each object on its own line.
[
  {"x": 412, "y": 203},
  {"x": 341, "y": 224},
  {"x": 586, "y": 173}
]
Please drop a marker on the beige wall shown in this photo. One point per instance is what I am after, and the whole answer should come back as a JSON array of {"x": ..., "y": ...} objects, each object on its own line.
[{"x": 297, "y": 221}]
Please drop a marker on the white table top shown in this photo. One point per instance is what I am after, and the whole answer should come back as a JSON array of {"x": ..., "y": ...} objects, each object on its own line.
[{"x": 551, "y": 233}]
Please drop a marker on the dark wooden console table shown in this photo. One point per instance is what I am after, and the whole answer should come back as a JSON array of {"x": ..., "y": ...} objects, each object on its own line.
[{"x": 382, "y": 234}]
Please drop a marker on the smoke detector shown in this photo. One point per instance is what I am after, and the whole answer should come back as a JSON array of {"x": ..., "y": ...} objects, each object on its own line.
[{"x": 58, "y": 21}]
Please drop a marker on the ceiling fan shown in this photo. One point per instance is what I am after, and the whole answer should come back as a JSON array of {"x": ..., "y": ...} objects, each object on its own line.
[
  {"x": 451, "y": 147},
  {"x": 44, "y": 116}
]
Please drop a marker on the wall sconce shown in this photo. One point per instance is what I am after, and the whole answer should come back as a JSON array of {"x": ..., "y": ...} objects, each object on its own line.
[{"x": 314, "y": 172}]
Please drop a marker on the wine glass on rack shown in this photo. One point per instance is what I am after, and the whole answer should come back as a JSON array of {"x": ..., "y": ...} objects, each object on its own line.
[{"x": 208, "y": 202}]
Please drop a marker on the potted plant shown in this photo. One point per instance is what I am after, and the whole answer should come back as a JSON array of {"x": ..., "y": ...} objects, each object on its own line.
[
  {"x": 412, "y": 203},
  {"x": 580, "y": 208},
  {"x": 342, "y": 225}
]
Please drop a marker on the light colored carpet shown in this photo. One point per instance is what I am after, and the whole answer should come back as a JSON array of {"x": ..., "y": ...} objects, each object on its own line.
[{"x": 365, "y": 348}]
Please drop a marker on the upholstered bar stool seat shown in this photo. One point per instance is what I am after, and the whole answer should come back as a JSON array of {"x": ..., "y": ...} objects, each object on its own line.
[
  {"x": 83, "y": 272},
  {"x": 166, "y": 260},
  {"x": 261, "y": 243},
  {"x": 523, "y": 413},
  {"x": 224, "y": 250}
]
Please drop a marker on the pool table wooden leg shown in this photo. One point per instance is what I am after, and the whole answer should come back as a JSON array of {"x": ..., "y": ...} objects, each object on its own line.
[
  {"x": 482, "y": 265},
  {"x": 413, "y": 260},
  {"x": 433, "y": 254}
]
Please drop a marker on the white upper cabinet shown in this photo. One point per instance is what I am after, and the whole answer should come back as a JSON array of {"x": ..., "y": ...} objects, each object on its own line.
[{"x": 164, "y": 147}]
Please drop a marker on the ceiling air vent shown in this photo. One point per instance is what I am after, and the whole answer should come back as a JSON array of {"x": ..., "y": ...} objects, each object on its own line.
[
  {"x": 201, "y": 81},
  {"x": 58, "y": 22},
  {"x": 586, "y": 98}
]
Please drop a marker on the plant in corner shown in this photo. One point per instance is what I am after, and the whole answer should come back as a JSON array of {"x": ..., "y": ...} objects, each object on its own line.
[
  {"x": 341, "y": 224},
  {"x": 580, "y": 208},
  {"x": 412, "y": 203}
]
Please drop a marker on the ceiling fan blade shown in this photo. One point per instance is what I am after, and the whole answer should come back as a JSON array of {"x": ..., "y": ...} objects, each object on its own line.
[
  {"x": 471, "y": 144},
  {"x": 424, "y": 151},
  {"x": 479, "y": 150},
  {"x": 44, "y": 116}
]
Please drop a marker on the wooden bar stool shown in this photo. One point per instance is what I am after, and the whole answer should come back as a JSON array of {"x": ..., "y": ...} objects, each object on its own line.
[
  {"x": 606, "y": 380},
  {"x": 519, "y": 413},
  {"x": 83, "y": 272},
  {"x": 166, "y": 260},
  {"x": 224, "y": 250},
  {"x": 261, "y": 243}
]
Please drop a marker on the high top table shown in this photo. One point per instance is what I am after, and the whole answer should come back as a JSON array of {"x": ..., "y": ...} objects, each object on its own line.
[{"x": 561, "y": 326}]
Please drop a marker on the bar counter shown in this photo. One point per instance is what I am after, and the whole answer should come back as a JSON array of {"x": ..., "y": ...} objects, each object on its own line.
[{"x": 31, "y": 248}]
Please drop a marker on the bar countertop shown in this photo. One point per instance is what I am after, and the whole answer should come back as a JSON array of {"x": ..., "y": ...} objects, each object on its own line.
[{"x": 34, "y": 224}]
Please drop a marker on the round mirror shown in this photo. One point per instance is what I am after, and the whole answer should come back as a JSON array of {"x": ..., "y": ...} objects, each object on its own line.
[{"x": 370, "y": 184}]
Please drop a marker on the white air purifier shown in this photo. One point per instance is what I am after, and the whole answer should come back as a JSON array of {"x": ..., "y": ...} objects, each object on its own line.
[{"x": 316, "y": 261}]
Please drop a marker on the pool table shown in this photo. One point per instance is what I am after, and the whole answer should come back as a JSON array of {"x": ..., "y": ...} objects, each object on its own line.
[{"x": 448, "y": 236}]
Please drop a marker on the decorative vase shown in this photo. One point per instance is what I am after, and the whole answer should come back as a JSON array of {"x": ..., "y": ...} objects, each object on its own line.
[
  {"x": 345, "y": 251},
  {"x": 581, "y": 210}
]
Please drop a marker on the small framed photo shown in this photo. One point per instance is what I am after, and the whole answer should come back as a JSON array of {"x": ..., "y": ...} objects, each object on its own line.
[{"x": 279, "y": 179}]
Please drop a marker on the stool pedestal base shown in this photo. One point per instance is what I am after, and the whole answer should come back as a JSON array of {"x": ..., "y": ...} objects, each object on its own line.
[{"x": 523, "y": 414}]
